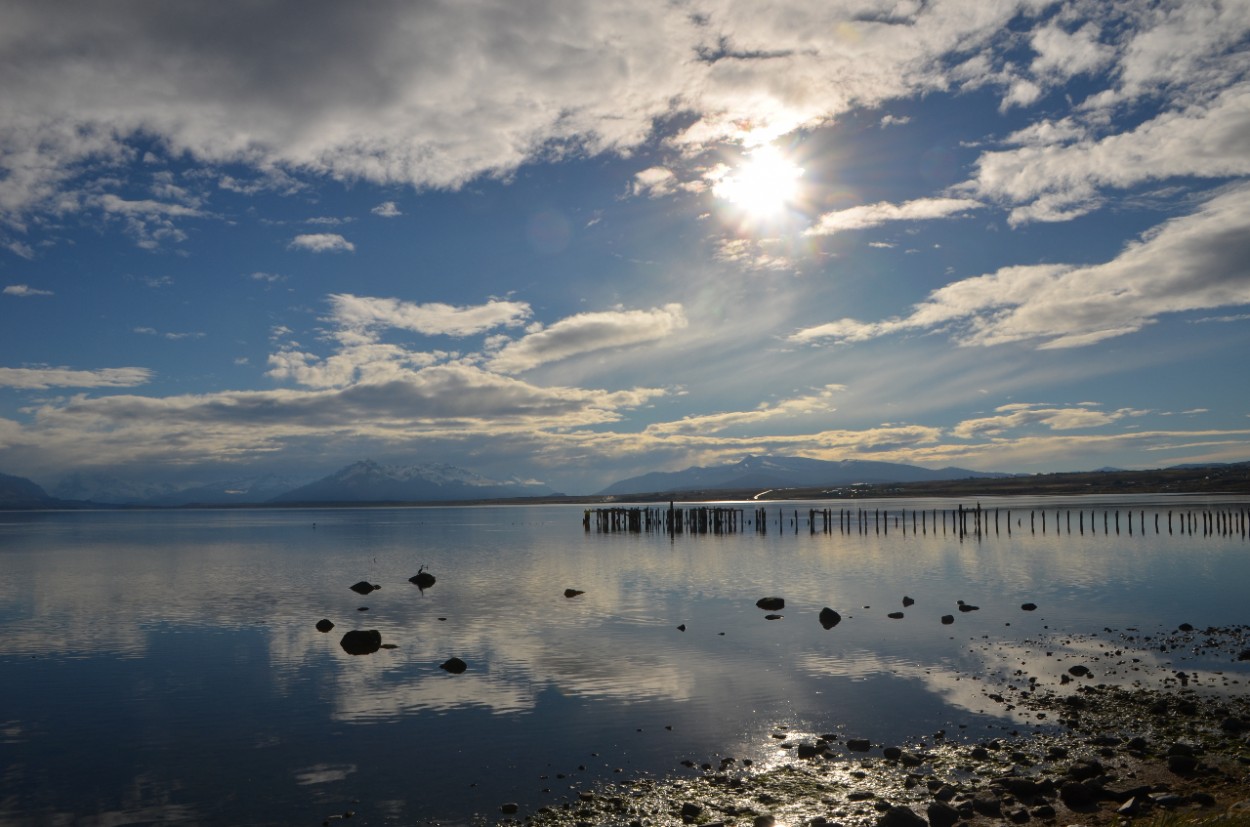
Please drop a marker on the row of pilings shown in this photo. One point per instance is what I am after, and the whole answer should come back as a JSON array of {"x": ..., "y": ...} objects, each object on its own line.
[{"x": 961, "y": 521}]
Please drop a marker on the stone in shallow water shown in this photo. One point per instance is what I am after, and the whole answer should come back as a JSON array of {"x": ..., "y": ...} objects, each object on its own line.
[
  {"x": 829, "y": 618},
  {"x": 324, "y": 625},
  {"x": 573, "y": 592},
  {"x": 1029, "y": 607},
  {"x": 453, "y": 665},
  {"x": 771, "y": 604},
  {"x": 363, "y": 587},
  {"x": 358, "y": 642},
  {"x": 948, "y": 620}
]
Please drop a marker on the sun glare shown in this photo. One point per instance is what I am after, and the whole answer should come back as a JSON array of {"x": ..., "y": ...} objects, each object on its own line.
[{"x": 765, "y": 183}]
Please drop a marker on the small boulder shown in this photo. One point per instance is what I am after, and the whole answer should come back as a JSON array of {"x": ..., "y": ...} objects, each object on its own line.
[
  {"x": 771, "y": 604},
  {"x": 941, "y": 814},
  {"x": 1079, "y": 671},
  {"x": 453, "y": 665},
  {"x": 324, "y": 625},
  {"x": 900, "y": 816},
  {"x": 858, "y": 744},
  {"x": 895, "y": 615},
  {"x": 829, "y": 618},
  {"x": 422, "y": 579},
  {"x": 907, "y": 601},
  {"x": 357, "y": 642},
  {"x": 773, "y": 617},
  {"x": 1029, "y": 607},
  {"x": 364, "y": 587},
  {"x": 967, "y": 607},
  {"x": 948, "y": 620},
  {"x": 573, "y": 592}
]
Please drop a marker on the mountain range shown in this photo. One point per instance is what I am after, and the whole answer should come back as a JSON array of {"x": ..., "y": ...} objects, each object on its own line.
[
  {"x": 360, "y": 482},
  {"x": 785, "y": 472}
]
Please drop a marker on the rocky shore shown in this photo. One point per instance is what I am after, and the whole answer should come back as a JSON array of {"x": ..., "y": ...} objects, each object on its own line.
[{"x": 1086, "y": 752}]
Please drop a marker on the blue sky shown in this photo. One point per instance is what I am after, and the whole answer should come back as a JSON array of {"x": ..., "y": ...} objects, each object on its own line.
[{"x": 575, "y": 241}]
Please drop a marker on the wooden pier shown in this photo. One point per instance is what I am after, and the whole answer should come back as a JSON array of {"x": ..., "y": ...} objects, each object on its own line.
[{"x": 961, "y": 522}]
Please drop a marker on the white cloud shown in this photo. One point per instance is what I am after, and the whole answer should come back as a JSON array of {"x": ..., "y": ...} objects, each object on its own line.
[
  {"x": 321, "y": 243},
  {"x": 387, "y": 209},
  {"x": 655, "y": 182},
  {"x": 587, "y": 333},
  {"x": 25, "y": 290},
  {"x": 1196, "y": 262},
  {"x": 873, "y": 215},
  {"x": 61, "y": 377},
  {"x": 431, "y": 318},
  {"x": 818, "y": 403},
  {"x": 1019, "y": 415}
]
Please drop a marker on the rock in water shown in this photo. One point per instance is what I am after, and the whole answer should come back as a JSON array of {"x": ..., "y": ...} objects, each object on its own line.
[
  {"x": 324, "y": 625},
  {"x": 907, "y": 601},
  {"x": 1029, "y": 607},
  {"x": 948, "y": 620},
  {"x": 357, "y": 642},
  {"x": 453, "y": 665},
  {"x": 829, "y": 618},
  {"x": 771, "y": 604},
  {"x": 901, "y": 816},
  {"x": 364, "y": 587},
  {"x": 895, "y": 615},
  {"x": 422, "y": 579},
  {"x": 573, "y": 592}
]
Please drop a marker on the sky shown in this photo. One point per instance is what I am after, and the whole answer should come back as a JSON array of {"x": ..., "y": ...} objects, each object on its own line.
[{"x": 573, "y": 242}]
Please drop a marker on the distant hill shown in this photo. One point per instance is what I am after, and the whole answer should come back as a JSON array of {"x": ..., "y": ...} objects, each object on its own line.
[
  {"x": 369, "y": 481},
  {"x": 110, "y": 490},
  {"x": 785, "y": 472},
  {"x": 19, "y": 492}
]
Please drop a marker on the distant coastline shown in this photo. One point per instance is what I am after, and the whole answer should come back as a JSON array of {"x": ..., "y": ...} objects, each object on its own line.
[{"x": 1206, "y": 479}]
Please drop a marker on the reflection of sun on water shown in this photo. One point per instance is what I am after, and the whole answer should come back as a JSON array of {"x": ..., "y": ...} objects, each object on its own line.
[{"x": 764, "y": 185}]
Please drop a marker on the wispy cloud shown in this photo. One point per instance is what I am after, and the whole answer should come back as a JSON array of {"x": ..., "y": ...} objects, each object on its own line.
[
  {"x": 25, "y": 291},
  {"x": 587, "y": 333},
  {"x": 430, "y": 318},
  {"x": 43, "y": 378},
  {"x": 1195, "y": 262},
  {"x": 873, "y": 215},
  {"x": 387, "y": 209},
  {"x": 322, "y": 243}
]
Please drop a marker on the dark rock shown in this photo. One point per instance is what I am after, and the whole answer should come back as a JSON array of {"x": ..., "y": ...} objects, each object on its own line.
[
  {"x": 691, "y": 810},
  {"x": 1029, "y": 607},
  {"x": 1182, "y": 748},
  {"x": 987, "y": 805},
  {"x": 941, "y": 814},
  {"x": 948, "y": 620},
  {"x": 573, "y": 592},
  {"x": 808, "y": 751},
  {"x": 1085, "y": 770},
  {"x": 829, "y": 618},
  {"x": 453, "y": 665},
  {"x": 681, "y": 628},
  {"x": 363, "y": 587},
  {"x": 1244, "y": 655},
  {"x": 773, "y": 617},
  {"x": 860, "y": 795},
  {"x": 1022, "y": 788},
  {"x": 1079, "y": 671},
  {"x": 858, "y": 744},
  {"x": 324, "y": 625},
  {"x": 967, "y": 607},
  {"x": 1202, "y": 799},
  {"x": 771, "y": 604},
  {"x": 909, "y": 759},
  {"x": 1019, "y": 816},
  {"x": 1137, "y": 744},
  {"x": 895, "y": 615},
  {"x": 1044, "y": 811},
  {"x": 1182, "y": 764},
  {"x": 764, "y": 820},
  {"x": 900, "y": 816},
  {"x": 1185, "y": 627},
  {"x": 422, "y": 579},
  {"x": 357, "y": 642},
  {"x": 907, "y": 601},
  {"x": 1076, "y": 794},
  {"x": 509, "y": 809},
  {"x": 945, "y": 792},
  {"x": 892, "y": 753},
  {"x": 1233, "y": 725}
]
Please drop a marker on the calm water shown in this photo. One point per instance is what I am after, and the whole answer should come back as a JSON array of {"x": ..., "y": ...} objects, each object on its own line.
[{"x": 163, "y": 667}]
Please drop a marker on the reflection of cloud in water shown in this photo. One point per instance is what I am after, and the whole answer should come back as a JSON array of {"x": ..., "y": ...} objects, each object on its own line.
[
  {"x": 145, "y": 800},
  {"x": 323, "y": 773}
]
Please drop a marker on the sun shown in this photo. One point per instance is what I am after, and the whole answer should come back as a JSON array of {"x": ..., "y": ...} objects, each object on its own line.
[{"x": 764, "y": 185}]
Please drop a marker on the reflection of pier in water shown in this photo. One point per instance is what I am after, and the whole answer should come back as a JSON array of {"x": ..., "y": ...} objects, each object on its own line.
[{"x": 962, "y": 522}]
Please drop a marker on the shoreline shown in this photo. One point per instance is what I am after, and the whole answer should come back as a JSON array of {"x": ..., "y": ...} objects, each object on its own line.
[{"x": 1097, "y": 754}]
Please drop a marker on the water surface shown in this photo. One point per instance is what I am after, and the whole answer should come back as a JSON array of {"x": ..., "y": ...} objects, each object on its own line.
[{"x": 164, "y": 666}]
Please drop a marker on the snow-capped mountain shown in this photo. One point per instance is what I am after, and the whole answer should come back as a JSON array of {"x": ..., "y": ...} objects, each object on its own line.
[{"x": 369, "y": 481}]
